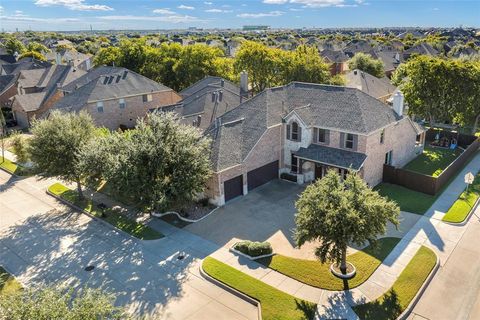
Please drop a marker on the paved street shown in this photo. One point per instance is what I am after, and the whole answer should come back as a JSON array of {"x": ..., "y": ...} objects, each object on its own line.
[{"x": 42, "y": 241}]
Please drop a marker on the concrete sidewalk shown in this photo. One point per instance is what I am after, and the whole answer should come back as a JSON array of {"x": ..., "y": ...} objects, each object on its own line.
[{"x": 429, "y": 231}]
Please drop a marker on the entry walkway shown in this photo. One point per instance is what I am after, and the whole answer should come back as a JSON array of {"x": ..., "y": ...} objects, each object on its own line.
[{"x": 429, "y": 231}]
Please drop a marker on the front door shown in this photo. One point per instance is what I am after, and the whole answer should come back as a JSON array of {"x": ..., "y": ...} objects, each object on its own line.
[{"x": 319, "y": 171}]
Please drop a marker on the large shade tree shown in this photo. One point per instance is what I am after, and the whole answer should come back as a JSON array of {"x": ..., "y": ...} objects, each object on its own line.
[
  {"x": 55, "y": 145},
  {"x": 159, "y": 163},
  {"x": 54, "y": 303},
  {"x": 338, "y": 213}
]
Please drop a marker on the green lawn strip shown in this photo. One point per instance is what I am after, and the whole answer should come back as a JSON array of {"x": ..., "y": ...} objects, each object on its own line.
[
  {"x": 275, "y": 304},
  {"x": 408, "y": 200},
  {"x": 396, "y": 300},
  {"x": 13, "y": 167},
  {"x": 317, "y": 274},
  {"x": 8, "y": 284},
  {"x": 433, "y": 161},
  {"x": 461, "y": 208},
  {"x": 113, "y": 217}
]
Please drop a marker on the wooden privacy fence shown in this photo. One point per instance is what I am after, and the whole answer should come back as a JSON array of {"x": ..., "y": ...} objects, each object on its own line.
[{"x": 428, "y": 184}]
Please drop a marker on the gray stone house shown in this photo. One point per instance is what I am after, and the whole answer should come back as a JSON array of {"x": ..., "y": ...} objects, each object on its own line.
[{"x": 303, "y": 130}]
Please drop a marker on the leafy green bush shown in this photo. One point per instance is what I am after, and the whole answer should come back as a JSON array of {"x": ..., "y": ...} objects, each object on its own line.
[{"x": 254, "y": 248}]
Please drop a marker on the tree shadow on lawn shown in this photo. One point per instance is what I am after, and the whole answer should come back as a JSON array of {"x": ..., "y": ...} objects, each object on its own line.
[
  {"x": 386, "y": 307},
  {"x": 57, "y": 246},
  {"x": 309, "y": 309}
]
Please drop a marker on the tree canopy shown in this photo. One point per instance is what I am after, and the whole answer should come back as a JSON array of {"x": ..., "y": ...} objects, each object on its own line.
[
  {"x": 340, "y": 212},
  {"x": 13, "y": 45},
  {"x": 159, "y": 163},
  {"x": 368, "y": 64},
  {"x": 56, "y": 142},
  {"x": 33, "y": 54}
]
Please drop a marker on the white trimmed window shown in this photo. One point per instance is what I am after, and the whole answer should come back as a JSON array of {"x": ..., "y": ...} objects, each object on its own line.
[
  {"x": 100, "y": 106},
  {"x": 147, "y": 97},
  {"x": 121, "y": 103}
]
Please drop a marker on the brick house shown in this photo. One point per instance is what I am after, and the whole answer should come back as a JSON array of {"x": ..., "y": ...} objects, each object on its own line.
[
  {"x": 303, "y": 130},
  {"x": 379, "y": 88},
  {"x": 115, "y": 97},
  {"x": 38, "y": 90}
]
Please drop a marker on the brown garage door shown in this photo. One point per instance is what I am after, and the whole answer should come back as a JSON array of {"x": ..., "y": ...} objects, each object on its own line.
[
  {"x": 233, "y": 188},
  {"x": 262, "y": 175}
]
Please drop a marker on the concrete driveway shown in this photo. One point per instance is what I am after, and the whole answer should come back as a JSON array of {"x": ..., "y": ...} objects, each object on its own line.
[
  {"x": 42, "y": 241},
  {"x": 267, "y": 213}
]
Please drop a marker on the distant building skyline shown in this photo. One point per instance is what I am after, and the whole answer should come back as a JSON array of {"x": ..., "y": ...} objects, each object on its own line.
[{"x": 69, "y": 15}]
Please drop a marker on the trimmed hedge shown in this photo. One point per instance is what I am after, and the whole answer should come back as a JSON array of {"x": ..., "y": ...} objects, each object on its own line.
[{"x": 254, "y": 248}]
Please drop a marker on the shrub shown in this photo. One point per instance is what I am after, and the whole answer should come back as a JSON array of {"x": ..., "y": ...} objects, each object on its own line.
[
  {"x": 204, "y": 202},
  {"x": 19, "y": 146},
  {"x": 254, "y": 248}
]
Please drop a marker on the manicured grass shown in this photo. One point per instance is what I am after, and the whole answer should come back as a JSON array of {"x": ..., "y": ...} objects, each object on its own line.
[
  {"x": 8, "y": 284},
  {"x": 113, "y": 217},
  {"x": 13, "y": 167},
  {"x": 464, "y": 204},
  {"x": 396, "y": 300},
  {"x": 433, "y": 161},
  {"x": 276, "y": 305},
  {"x": 317, "y": 274},
  {"x": 408, "y": 200}
]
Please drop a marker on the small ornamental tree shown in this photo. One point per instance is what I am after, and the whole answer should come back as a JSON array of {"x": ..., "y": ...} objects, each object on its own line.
[
  {"x": 52, "y": 303},
  {"x": 56, "y": 143},
  {"x": 368, "y": 64},
  {"x": 338, "y": 213}
]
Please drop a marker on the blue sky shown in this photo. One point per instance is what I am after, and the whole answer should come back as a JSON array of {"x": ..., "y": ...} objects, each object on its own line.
[{"x": 169, "y": 14}]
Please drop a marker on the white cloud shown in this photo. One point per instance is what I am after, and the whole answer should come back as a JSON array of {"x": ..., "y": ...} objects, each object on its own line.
[
  {"x": 295, "y": 9},
  {"x": 218, "y": 11},
  {"x": 208, "y": 3},
  {"x": 164, "y": 11},
  {"x": 171, "y": 19},
  {"x": 184, "y": 7},
  {"x": 319, "y": 3},
  {"x": 74, "y": 5},
  {"x": 275, "y": 1},
  {"x": 24, "y": 18},
  {"x": 260, "y": 14},
  {"x": 436, "y": 9}
]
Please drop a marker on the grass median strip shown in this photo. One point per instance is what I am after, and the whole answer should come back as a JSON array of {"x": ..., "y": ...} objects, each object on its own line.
[
  {"x": 317, "y": 274},
  {"x": 8, "y": 284},
  {"x": 112, "y": 216},
  {"x": 13, "y": 167},
  {"x": 396, "y": 300},
  {"x": 275, "y": 304},
  {"x": 464, "y": 204}
]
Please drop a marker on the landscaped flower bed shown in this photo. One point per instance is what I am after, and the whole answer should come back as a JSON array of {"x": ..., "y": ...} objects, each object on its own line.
[{"x": 253, "y": 249}]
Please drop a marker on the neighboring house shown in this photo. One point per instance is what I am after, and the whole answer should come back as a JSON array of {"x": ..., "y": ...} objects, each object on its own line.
[
  {"x": 356, "y": 46},
  {"x": 23, "y": 64},
  {"x": 338, "y": 60},
  {"x": 38, "y": 90},
  {"x": 391, "y": 60},
  {"x": 71, "y": 57},
  {"x": 115, "y": 97},
  {"x": 302, "y": 130},
  {"x": 422, "y": 48},
  {"x": 206, "y": 100},
  {"x": 8, "y": 88},
  {"x": 379, "y": 88}
]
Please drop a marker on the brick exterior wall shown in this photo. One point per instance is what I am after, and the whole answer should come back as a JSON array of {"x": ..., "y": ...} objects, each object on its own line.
[
  {"x": 267, "y": 150},
  {"x": 113, "y": 116},
  {"x": 400, "y": 139},
  {"x": 5, "y": 97},
  {"x": 24, "y": 118}
]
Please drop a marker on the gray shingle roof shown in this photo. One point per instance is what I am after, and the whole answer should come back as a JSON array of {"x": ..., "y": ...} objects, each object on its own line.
[
  {"x": 332, "y": 156},
  {"x": 334, "y": 56},
  {"x": 107, "y": 83},
  {"x": 24, "y": 64},
  {"x": 212, "y": 82},
  {"x": 376, "y": 87},
  {"x": 6, "y": 81},
  {"x": 330, "y": 107}
]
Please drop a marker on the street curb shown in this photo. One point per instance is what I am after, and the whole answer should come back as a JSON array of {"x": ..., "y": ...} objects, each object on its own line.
[
  {"x": 231, "y": 290},
  {"x": 159, "y": 215},
  {"x": 94, "y": 217},
  {"x": 467, "y": 218},
  {"x": 404, "y": 315}
]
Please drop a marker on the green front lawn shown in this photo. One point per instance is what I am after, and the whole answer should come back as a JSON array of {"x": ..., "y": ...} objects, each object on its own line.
[
  {"x": 275, "y": 304},
  {"x": 317, "y": 274},
  {"x": 13, "y": 167},
  {"x": 464, "y": 204},
  {"x": 113, "y": 217},
  {"x": 8, "y": 284},
  {"x": 433, "y": 161},
  {"x": 396, "y": 300},
  {"x": 408, "y": 200}
]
